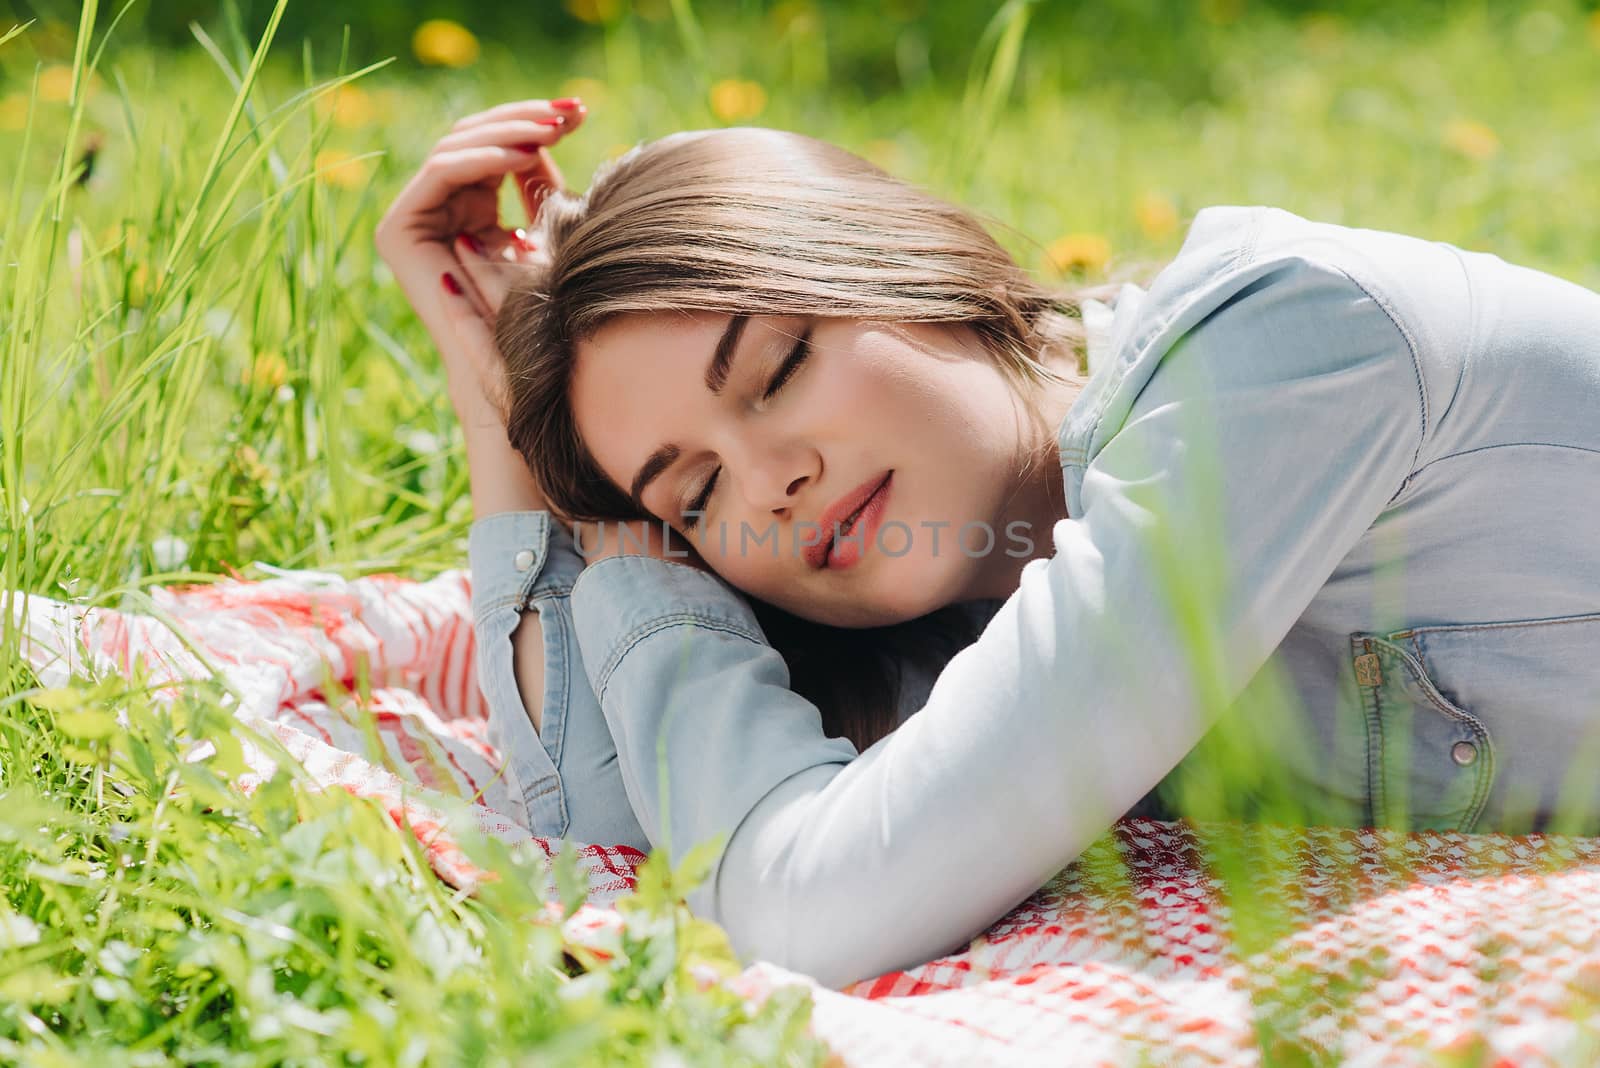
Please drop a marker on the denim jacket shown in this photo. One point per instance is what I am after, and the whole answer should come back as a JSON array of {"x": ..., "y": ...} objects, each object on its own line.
[{"x": 1352, "y": 474}]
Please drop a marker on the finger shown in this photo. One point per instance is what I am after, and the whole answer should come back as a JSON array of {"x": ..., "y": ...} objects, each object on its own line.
[
  {"x": 569, "y": 107},
  {"x": 458, "y": 283},
  {"x": 473, "y": 335},
  {"x": 445, "y": 172},
  {"x": 535, "y": 183},
  {"x": 419, "y": 269},
  {"x": 491, "y": 270},
  {"x": 509, "y": 134},
  {"x": 462, "y": 312}
]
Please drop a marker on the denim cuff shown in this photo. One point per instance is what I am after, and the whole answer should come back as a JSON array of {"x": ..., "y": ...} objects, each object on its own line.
[
  {"x": 507, "y": 552},
  {"x": 565, "y": 775},
  {"x": 518, "y": 557},
  {"x": 625, "y": 598}
]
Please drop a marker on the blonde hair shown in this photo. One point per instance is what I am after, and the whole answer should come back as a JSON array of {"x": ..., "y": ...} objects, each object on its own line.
[{"x": 751, "y": 221}]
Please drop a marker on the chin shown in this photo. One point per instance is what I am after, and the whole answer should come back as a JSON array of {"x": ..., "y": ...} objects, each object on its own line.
[
  {"x": 882, "y": 600},
  {"x": 915, "y": 585}
]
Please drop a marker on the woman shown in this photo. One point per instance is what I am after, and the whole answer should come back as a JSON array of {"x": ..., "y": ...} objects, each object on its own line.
[{"x": 1337, "y": 488}]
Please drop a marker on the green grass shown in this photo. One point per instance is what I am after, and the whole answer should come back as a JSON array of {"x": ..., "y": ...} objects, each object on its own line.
[{"x": 200, "y": 345}]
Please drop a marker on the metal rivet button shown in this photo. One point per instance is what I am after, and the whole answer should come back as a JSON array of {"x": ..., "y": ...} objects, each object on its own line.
[
  {"x": 523, "y": 560},
  {"x": 1463, "y": 753}
]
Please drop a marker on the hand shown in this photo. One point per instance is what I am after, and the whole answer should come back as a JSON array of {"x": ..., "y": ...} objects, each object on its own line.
[
  {"x": 638, "y": 537},
  {"x": 455, "y": 193},
  {"x": 444, "y": 228}
]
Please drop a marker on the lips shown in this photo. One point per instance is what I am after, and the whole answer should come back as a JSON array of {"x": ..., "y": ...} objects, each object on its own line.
[{"x": 838, "y": 516}]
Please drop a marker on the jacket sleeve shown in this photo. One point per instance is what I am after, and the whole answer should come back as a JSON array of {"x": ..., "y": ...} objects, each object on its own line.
[
  {"x": 1272, "y": 433},
  {"x": 566, "y": 780}
]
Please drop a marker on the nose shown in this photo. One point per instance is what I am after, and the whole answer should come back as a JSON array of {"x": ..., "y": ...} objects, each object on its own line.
[{"x": 776, "y": 474}]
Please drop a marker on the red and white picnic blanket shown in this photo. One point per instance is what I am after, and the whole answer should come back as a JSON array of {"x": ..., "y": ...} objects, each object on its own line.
[{"x": 1393, "y": 948}]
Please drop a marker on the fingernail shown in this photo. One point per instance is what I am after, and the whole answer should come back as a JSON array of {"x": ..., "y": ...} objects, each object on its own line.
[
  {"x": 471, "y": 242},
  {"x": 529, "y": 147},
  {"x": 566, "y": 103},
  {"x": 549, "y": 122},
  {"x": 451, "y": 286},
  {"x": 523, "y": 239}
]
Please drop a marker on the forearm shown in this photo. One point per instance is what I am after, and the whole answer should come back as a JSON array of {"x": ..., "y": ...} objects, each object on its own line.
[
  {"x": 543, "y": 716},
  {"x": 500, "y": 479},
  {"x": 502, "y": 483},
  {"x": 841, "y": 865}
]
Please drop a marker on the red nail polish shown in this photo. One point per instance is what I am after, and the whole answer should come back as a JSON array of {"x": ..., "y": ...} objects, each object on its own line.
[
  {"x": 529, "y": 147},
  {"x": 451, "y": 286},
  {"x": 471, "y": 242},
  {"x": 523, "y": 239},
  {"x": 549, "y": 122},
  {"x": 566, "y": 103}
]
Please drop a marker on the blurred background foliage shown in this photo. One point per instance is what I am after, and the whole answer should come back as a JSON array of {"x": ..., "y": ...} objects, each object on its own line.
[{"x": 1118, "y": 118}]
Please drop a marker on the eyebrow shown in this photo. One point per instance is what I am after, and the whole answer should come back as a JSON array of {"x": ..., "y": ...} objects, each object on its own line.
[{"x": 716, "y": 381}]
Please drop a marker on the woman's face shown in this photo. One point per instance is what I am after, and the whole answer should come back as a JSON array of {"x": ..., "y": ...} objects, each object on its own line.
[{"x": 790, "y": 439}]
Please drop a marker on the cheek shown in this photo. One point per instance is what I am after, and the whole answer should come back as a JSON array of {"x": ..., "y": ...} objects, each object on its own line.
[
  {"x": 910, "y": 378},
  {"x": 867, "y": 392},
  {"x": 756, "y": 567}
]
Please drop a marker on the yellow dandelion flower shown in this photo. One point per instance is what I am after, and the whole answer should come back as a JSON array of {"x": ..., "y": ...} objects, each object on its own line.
[
  {"x": 444, "y": 43},
  {"x": 138, "y": 286},
  {"x": 1087, "y": 253},
  {"x": 733, "y": 100},
  {"x": 347, "y": 106},
  {"x": 123, "y": 236},
  {"x": 13, "y": 112},
  {"x": 268, "y": 370},
  {"x": 247, "y": 462},
  {"x": 339, "y": 168},
  {"x": 594, "y": 11},
  {"x": 55, "y": 84},
  {"x": 1471, "y": 138},
  {"x": 1156, "y": 214}
]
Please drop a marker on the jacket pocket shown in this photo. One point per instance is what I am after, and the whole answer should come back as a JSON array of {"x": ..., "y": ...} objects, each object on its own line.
[
  {"x": 1511, "y": 706},
  {"x": 1430, "y": 762},
  {"x": 1535, "y": 683}
]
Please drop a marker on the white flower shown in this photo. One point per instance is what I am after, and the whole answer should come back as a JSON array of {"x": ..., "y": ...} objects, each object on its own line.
[
  {"x": 17, "y": 931},
  {"x": 219, "y": 323},
  {"x": 170, "y": 552},
  {"x": 421, "y": 442}
]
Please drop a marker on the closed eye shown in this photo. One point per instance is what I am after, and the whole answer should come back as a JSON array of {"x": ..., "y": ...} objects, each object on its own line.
[
  {"x": 691, "y": 515},
  {"x": 797, "y": 356},
  {"x": 791, "y": 364}
]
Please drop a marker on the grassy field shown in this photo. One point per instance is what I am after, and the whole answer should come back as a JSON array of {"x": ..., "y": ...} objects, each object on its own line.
[{"x": 203, "y": 364}]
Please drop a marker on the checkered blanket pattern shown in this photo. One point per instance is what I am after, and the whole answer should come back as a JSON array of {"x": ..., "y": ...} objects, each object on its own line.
[{"x": 1363, "y": 946}]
